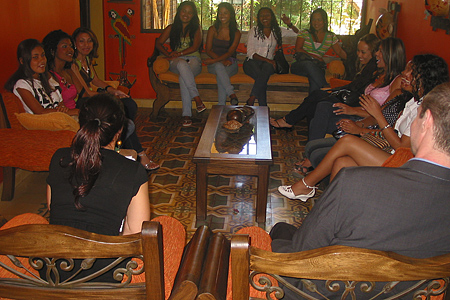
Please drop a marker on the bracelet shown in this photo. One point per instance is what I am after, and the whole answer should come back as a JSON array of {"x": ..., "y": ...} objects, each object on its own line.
[{"x": 385, "y": 127}]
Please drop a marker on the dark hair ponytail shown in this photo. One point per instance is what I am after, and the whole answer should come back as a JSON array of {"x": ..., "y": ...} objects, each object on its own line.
[{"x": 101, "y": 118}]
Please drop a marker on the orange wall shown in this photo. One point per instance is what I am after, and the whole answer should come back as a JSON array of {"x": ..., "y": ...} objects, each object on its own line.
[
  {"x": 414, "y": 30},
  {"x": 136, "y": 54},
  {"x": 37, "y": 18},
  {"x": 31, "y": 19}
]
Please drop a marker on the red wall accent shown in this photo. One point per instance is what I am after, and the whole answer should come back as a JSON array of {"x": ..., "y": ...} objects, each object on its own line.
[
  {"x": 414, "y": 30},
  {"x": 25, "y": 19}
]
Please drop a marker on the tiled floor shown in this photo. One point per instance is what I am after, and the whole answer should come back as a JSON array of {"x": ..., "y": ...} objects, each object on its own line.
[{"x": 172, "y": 188}]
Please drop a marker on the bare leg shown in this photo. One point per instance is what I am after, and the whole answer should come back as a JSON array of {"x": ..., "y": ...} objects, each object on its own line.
[
  {"x": 340, "y": 163},
  {"x": 360, "y": 151}
]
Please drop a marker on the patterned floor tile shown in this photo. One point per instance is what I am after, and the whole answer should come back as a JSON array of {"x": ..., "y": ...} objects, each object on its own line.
[{"x": 231, "y": 199}]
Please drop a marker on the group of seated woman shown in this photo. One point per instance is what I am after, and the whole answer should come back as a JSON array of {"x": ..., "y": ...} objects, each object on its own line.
[
  {"x": 370, "y": 131},
  {"x": 221, "y": 42},
  {"x": 57, "y": 75}
]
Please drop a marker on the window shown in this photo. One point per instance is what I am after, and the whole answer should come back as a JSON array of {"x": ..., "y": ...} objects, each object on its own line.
[{"x": 344, "y": 15}]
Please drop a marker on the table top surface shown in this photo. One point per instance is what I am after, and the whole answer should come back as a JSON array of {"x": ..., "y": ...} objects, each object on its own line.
[{"x": 252, "y": 142}]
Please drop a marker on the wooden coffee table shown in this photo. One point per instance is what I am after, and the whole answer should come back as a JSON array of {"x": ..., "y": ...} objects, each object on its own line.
[{"x": 221, "y": 153}]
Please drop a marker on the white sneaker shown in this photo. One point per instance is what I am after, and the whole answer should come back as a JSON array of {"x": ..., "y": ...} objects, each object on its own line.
[{"x": 286, "y": 191}]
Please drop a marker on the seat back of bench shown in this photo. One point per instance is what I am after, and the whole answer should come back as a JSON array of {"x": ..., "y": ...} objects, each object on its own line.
[
  {"x": 10, "y": 104},
  {"x": 54, "y": 245},
  {"x": 342, "y": 270}
]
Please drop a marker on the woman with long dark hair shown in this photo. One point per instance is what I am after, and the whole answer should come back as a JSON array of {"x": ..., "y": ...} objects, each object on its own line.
[
  {"x": 185, "y": 40},
  {"x": 32, "y": 84},
  {"x": 59, "y": 49},
  {"x": 310, "y": 48},
  {"x": 367, "y": 73},
  {"x": 263, "y": 39},
  {"x": 221, "y": 43},
  {"x": 92, "y": 187}
]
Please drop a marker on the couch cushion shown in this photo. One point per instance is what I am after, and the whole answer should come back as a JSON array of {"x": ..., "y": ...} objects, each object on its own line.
[
  {"x": 13, "y": 105},
  {"x": 52, "y": 121},
  {"x": 31, "y": 150}
]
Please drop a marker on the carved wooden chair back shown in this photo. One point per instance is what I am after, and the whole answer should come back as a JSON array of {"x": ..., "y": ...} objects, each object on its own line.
[
  {"x": 344, "y": 272},
  {"x": 56, "y": 247}
]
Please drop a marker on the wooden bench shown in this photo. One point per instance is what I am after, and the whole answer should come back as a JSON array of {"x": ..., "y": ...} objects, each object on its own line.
[
  {"x": 44, "y": 244},
  {"x": 283, "y": 88},
  {"x": 30, "y": 150},
  {"x": 346, "y": 269}
]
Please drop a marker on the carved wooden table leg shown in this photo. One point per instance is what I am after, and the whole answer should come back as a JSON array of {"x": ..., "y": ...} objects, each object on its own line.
[
  {"x": 202, "y": 186},
  {"x": 261, "y": 198}
]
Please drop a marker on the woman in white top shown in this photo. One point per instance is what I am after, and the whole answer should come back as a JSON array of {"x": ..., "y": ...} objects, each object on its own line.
[
  {"x": 32, "y": 84},
  {"x": 263, "y": 39}
]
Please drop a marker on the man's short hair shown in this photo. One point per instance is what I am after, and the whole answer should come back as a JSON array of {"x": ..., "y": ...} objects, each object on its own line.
[{"x": 438, "y": 103}]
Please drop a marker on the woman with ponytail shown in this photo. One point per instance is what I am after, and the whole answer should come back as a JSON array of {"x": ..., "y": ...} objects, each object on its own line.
[{"x": 92, "y": 187}]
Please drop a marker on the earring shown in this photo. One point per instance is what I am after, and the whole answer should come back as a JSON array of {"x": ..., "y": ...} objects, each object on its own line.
[{"x": 118, "y": 145}]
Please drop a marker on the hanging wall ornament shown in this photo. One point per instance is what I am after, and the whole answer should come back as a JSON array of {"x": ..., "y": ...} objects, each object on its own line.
[
  {"x": 120, "y": 26},
  {"x": 437, "y": 8}
]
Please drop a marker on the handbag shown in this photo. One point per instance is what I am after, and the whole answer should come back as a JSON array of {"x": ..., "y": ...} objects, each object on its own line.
[
  {"x": 282, "y": 64},
  {"x": 302, "y": 56},
  {"x": 377, "y": 139},
  {"x": 348, "y": 97}
]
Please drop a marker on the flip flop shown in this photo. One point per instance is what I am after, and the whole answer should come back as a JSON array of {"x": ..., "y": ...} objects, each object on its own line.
[
  {"x": 187, "y": 122},
  {"x": 279, "y": 126},
  {"x": 201, "y": 108}
]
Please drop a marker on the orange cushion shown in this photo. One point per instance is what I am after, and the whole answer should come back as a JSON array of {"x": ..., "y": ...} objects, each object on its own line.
[
  {"x": 174, "y": 240},
  {"x": 160, "y": 66},
  {"x": 259, "y": 239},
  {"x": 23, "y": 219},
  {"x": 31, "y": 150},
  {"x": 13, "y": 105},
  {"x": 53, "y": 121}
]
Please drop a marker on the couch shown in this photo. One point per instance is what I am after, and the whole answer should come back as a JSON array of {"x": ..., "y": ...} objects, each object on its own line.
[
  {"x": 283, "y": 88},
  {"x": 25, "y": 149}
]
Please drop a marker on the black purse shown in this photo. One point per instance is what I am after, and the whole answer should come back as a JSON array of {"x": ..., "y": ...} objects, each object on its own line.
[
  {"x": 302, "y": 56},
  {"x": 348, "y": 97},
  {"x": 282, "y": 64}
]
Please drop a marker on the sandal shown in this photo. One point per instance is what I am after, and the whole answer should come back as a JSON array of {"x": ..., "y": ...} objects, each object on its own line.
[
  {"x": 200, "y": 108},
  {"x": 300, "y": 168},
  {"x": 187, "y": 122},
  {"x": 274, "y": 123},
  {"x": 234, "y": 100},
  {"x": 151, "y": 166}
]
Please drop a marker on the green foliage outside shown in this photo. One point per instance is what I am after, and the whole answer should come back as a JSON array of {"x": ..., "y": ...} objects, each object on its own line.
[{"x": 344, "y": 15}]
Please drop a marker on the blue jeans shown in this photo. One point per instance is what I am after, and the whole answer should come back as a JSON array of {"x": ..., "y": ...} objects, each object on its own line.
[
  {"x": 315, "y": 74},
  {"x": 187, "y": 67},
  {"x": 223, "y": 74},
  {"x": 260, "y": 71}
]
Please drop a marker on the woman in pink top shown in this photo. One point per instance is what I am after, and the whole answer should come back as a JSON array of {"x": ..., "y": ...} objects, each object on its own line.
[
  {"x": 59, "y": 51},
  {"x": 391, "y": 59}
]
